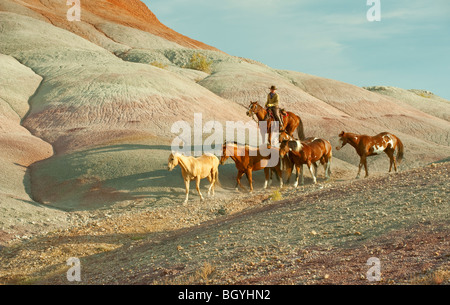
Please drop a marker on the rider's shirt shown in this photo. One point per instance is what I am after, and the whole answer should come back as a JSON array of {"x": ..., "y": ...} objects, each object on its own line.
[{"x": 272, "y": 100}]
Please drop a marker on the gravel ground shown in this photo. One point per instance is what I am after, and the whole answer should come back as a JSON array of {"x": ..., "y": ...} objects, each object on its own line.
[{"x": 316, "y": 234}]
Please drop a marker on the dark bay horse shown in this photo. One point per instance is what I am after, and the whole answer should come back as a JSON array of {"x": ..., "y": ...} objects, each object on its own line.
[
  {"x": 291, "y": 122},
  {"x": 248, "y": 159},
  {"x": 367, "y": 146},
  {"x": 307, "y": 152}
]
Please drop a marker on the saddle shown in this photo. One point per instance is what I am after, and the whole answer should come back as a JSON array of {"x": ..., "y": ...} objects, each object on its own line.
[{"x": 283, "y": 112}]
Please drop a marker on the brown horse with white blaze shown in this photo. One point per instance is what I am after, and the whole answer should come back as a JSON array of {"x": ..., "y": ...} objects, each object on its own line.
[
  {"x": 367, "y": 146},
  {"x": 308, "y": 152},
  {"x": 249, "y": 159},
  {"x": 291, "y": 122}
]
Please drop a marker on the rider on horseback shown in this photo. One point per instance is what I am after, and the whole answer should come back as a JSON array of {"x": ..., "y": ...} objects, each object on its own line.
[{"x": 272, "y": 105}]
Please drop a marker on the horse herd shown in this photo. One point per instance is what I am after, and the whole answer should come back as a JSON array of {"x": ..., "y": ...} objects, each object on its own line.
[{"x": 292, "y": 152}]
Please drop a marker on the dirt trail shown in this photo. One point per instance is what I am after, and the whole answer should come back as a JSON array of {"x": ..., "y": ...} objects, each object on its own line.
[{"x": 316, "y": 234}]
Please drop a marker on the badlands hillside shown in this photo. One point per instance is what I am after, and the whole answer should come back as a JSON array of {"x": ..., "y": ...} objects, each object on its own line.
[{"x": 86, "y": 110}]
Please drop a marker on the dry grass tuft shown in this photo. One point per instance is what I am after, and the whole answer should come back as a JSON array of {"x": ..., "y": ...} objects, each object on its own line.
[
  {"x": 276, "y": 196},
  {"x": 437, "y": 277},
  {"x": 205, "y": 271},
  {"x": 159, "y": 65},
  {"x": 200, "y": 62}
]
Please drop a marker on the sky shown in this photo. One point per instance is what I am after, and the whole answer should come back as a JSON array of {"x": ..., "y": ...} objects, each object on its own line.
[{"x": 408, "y": 48}]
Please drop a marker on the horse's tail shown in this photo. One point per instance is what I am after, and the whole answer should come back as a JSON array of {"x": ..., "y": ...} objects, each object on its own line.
[
  {"x": 400, "y": 150},
  {"x": 216, "y": 178},
  {"x": 300, "y": 130}
]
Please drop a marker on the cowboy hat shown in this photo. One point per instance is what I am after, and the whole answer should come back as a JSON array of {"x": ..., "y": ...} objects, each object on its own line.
[{"x": 273, "y": 88}]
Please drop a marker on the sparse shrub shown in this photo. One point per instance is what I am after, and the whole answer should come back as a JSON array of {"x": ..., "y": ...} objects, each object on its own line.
[
  {"x": 276, "y": 196},
  {"x": 436, "y": 277},
  {"x": 200, "y": 62},
  {"x": 159, "y": 64},
  {"x": 205, "y": 271},
  {"x": 425, "y": 95},
  {"x": 222, "y": 211}
]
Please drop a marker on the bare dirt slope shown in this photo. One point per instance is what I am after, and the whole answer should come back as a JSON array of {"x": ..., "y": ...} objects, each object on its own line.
[{"x": 321, "y": 234}]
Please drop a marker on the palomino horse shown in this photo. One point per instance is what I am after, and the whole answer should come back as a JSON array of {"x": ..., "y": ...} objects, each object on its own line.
[
  {"x": 307, "y": 152},
  {"x": 206, "y": 166},
  {"x": 291, "y": 122},
  {"x": 369, "y": 146},
  {"x": 248, "y": 159}
]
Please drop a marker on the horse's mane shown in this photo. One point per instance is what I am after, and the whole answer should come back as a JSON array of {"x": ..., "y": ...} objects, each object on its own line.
[{"x": 238, "y": 144}]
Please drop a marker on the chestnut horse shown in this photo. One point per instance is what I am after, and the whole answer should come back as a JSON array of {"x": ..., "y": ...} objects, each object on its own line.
[
  {"x": 248, "y": 159},
  {"x": 307, "y": 152},
  {"x": 373, "y": 145},
  {"x": 291, "y": 122},
  {"x": 205, "y": 166}
]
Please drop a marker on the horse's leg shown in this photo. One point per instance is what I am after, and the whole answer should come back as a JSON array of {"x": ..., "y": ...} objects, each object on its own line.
[
  {"x": 302, "y": 179},
  {"x": 395, "y": 162},
  {"x": 390, "y": 153},
  {"x": 365, "y": 167},
  {"x": 324, "y": 163},
  {"x": 238, "y": 180},
  {"x": 361, "y": 162},
  {"x": 279, "y": 175},
  {"x": 266, "y": 176},
  {"x": 211, "y": 181},
  {"x": 327, "y": 169},
  {"x": 248, "y": 173},
  {"x": 288, "y": 169},
  {"x": 269, "y": 176},
  {"x": 390, "y": 161},
  {"x": 297, "y": 169},
  {"x": 197, "y": 185},
  {"x": 186, "y": 183},
  {"x": 310, "y": 166}
]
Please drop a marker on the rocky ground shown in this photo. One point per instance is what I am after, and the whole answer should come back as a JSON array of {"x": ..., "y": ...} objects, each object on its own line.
[
  {"x": 86, "y": 117},
  {"x": 316, "y": 234}
]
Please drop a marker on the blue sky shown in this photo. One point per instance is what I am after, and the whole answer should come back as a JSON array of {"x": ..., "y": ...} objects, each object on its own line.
[{"x": 409, "y": 48}]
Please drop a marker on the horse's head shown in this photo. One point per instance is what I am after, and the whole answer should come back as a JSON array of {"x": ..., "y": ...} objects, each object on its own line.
[
  {"x": 343, "y": 139},
  {"x": 225, "y": 156},
  {"x": 284, "y": 148},
  {"x": 290, "y": 145},
  {"x": 252, "y": 109},
  {"x": 173, "y": 161},
  {"x": 285, "y": 136}
]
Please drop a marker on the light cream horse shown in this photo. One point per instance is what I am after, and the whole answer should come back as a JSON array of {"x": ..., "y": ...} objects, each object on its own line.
[{"x": 196, "y": 169}]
